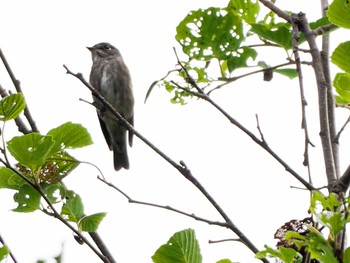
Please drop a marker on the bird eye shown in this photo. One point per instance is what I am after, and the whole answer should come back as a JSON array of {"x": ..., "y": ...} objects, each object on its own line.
[{"x": 106, "y": 47}]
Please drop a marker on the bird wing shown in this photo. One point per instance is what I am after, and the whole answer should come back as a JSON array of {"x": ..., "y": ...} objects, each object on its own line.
[{"x": 105, "y": 132}]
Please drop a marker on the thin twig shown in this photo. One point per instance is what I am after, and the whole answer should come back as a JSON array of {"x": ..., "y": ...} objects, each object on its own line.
[
  {"x": 261, "y": 143},
  {"x": 307, "y": 142},
  {"x": 336, "y": 138},
  {"x": 270, "y": 5},
  {"x": 182, "y": 168},
  {"x": 230, "y": 80},
  {"x": 11, "y": 254},
  {"x": 54, "y": 213},
  {"x": 224, "y": 240},
  {"x": 16, "y": 83},
  {"x": 166, "y": 207}
]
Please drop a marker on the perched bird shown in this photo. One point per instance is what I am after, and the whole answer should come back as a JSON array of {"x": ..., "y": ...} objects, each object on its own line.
[{"x": 110, "y": 76}]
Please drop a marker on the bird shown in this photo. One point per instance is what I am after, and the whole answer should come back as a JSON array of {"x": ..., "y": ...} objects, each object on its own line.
[{"x": 111, "y": 78}]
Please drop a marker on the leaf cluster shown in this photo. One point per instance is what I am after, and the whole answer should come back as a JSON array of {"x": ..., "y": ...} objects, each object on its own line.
[
  {"x": 42, "y": 163},
  {"x": 317, "y": 240}
]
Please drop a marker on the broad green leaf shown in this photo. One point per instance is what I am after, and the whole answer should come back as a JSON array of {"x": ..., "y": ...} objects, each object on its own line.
[
  {"x": 31, "y": 149},
  {"x": 287, "y": 255},
  {"x": 335, "y": 221},
  {"x": 281, "y": 36},
  {"x": 10, "y": 180},
  {"x": 73, "y": 209},
  {"x": 11, "y": 106},
  {"x": 341, "y": 84},
  {"x": 90, "y": 223},
  {"x": 225, "y": 261},
  {"x": 248, "y": 10},
  {"x": 54, "y": 192},
  {"x": 339, "y": 13},
  {"x": 240, "y": 57},
  {"x": 323, "y": 21},
  {"x": 288, "y": 72},
  {"x": 346, "y": 256},
  {"x": 341, "y": 56},
  {"x": 70, "y": 136},
  {"x": 210, "y": 33},
  {"x": 182, "y": 247},
  {"x": 4, "y": 252},
  {"x": 28, "y": 199}
]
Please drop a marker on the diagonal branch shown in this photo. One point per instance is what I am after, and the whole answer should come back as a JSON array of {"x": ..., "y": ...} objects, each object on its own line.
[
  {"x": 182, "y": 168},
  {"x": 261, "y": 143},
  {"x": 166, "y": 207},
  {"x": 16, "y": 83}
]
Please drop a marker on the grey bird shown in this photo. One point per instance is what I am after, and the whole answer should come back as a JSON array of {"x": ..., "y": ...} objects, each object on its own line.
[{"x": 110, "y": 76}]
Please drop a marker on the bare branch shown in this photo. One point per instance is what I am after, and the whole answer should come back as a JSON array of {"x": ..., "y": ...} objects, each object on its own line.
[
  {"x": 182, "y": 168},
  {"x": 166, "y": 207},
  {"x": 11, "y": 254},
  {"x": 322, "y": 87},
  {"x": 230, "y": 80},
  {"x": 16, "y": 83},
  {"x": 261, "y": 143},
  {"x": 269, "y": 4},
  {"x": 307, "y": 142}
]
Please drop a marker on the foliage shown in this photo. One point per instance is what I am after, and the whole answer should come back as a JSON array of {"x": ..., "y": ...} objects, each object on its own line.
[
  {"x": 182, "y": 247},
  {"x": 42, "y": 163},
  {"x": 225, "y": 40},
  {"x": 331, "y": 217}
]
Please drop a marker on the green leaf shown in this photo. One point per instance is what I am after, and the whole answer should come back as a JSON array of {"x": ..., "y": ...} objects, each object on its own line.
[
  {"x": 288, "y": 72},
  {"x": 182, "y": 247},
  {"x": 4, "y": 252},
  {"x": 70, "y": 136},
  {"x": 11, "y": 106},
  {"x": 210, "y": 33},
  {"x": 240, "y": 58},
  {"x": 90, "y": 223},
  {"x": 28, "y": 199},
  {"x": 225, "y": 261},
  {"x": 154, "y": 83},
  {"x": 54, "y": 192},
  {"x": 323, "y": 21},
  {"x": 287, "y": 255},
  {"x": 339, "y": 13},
  {"x": 246, "y": 9},
  {"x": 341, "y": 56},
  {"x": 341, "y": 84},
  {"x": 346, "y": 256},
  {"x": 10, "y": 180},
  {"x": 281, "y": 36},
  {"x": 31, "y": 150},
  {"x": 73, "y": 209}
]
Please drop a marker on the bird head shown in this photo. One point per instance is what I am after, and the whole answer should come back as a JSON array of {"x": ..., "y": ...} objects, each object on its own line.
[{"x": 103, "y": 50}]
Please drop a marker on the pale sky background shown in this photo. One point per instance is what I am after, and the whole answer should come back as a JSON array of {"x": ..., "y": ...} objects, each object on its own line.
[{"x": 38, "y": 37}]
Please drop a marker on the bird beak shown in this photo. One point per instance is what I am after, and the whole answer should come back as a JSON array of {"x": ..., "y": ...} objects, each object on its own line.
[{"x": 91, "y": 49}]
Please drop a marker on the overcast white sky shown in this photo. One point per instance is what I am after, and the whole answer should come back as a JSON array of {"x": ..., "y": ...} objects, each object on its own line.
[{"x": 38, "y": 37}]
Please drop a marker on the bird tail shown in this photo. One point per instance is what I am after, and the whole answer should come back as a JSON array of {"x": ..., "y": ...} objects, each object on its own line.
[{"x": 121, "y": 159}]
